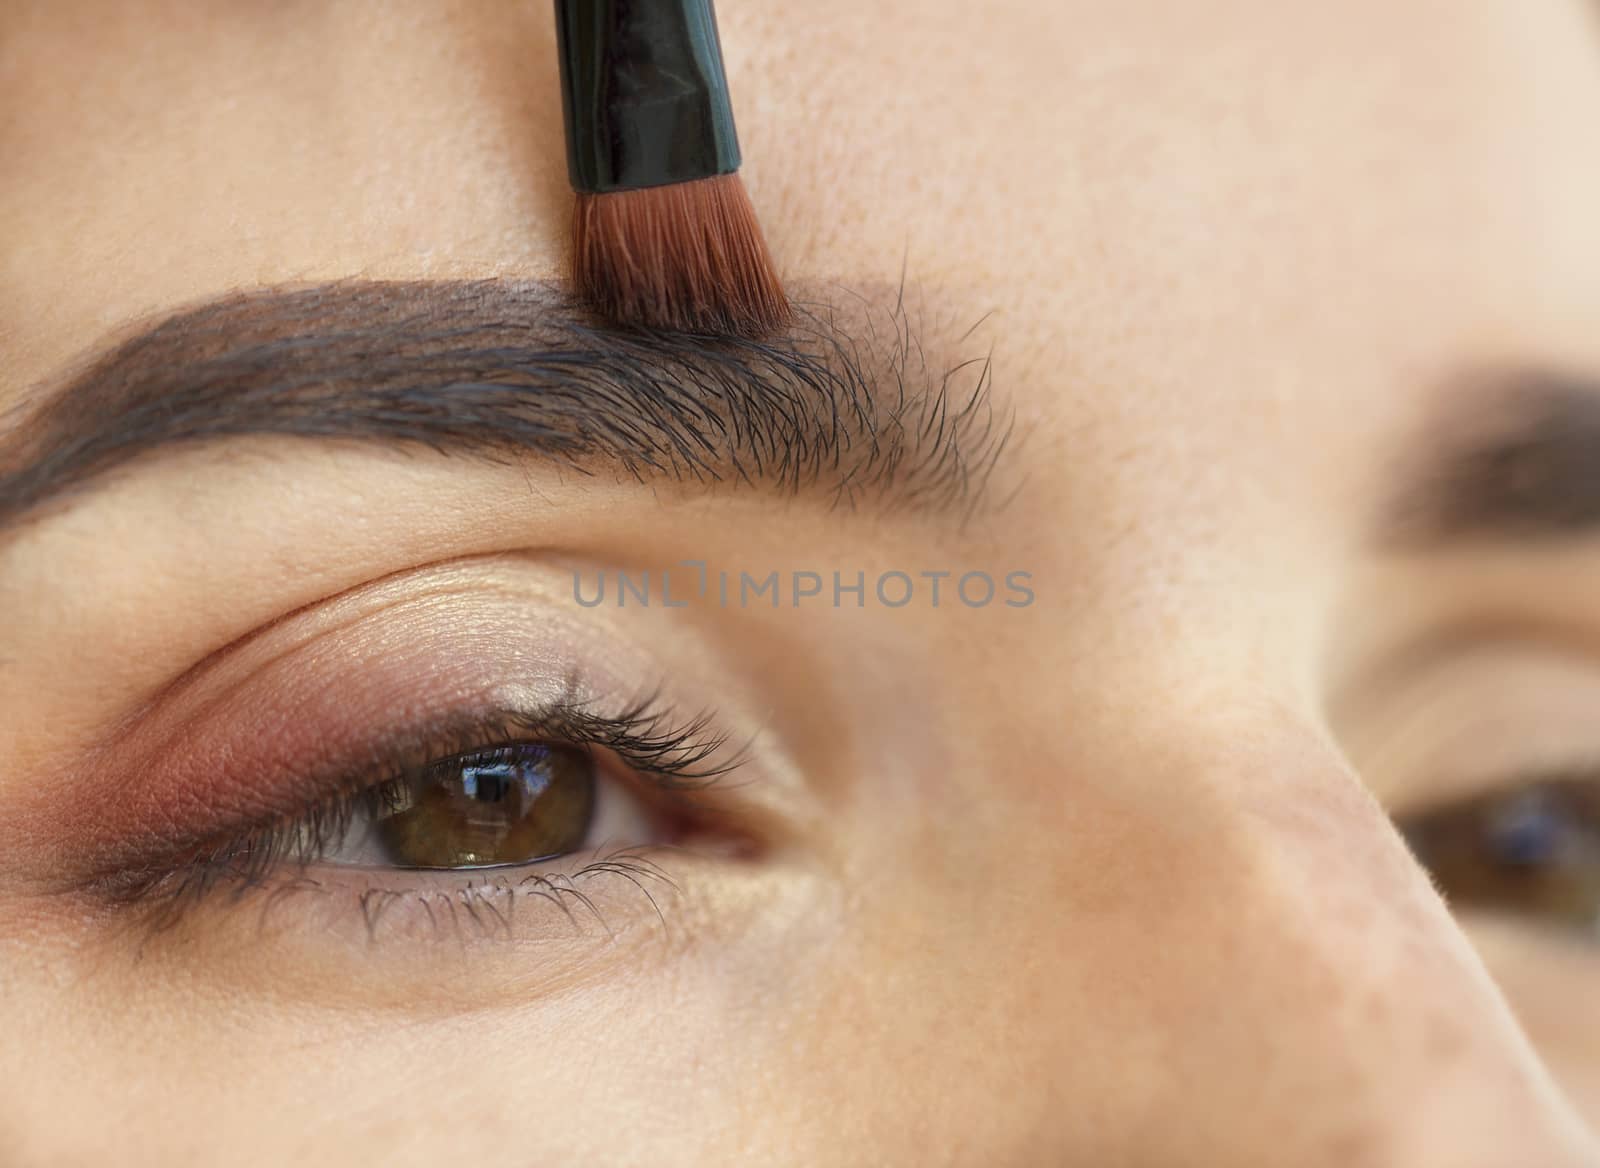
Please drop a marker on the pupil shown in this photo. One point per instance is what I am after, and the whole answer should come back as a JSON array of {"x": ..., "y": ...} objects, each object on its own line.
[
  {"x": 509, "y": 805},
  {"x": 484, "y": 785}
]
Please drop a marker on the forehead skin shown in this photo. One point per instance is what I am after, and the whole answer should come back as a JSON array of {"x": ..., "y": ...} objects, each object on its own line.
[
  {"x": 1266, "y": 229},
  {"x": 1232, "y": 252}
]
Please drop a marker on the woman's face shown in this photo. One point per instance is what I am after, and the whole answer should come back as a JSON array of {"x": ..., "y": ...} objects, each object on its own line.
[{"x": 1184, "y": 473}]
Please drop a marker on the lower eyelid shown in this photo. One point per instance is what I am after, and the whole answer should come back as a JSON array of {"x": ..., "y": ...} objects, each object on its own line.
[
  {"x": 517, "y": 900},
  {"x": 596, "y": 894},
  {"x": 420, "y": 944}
]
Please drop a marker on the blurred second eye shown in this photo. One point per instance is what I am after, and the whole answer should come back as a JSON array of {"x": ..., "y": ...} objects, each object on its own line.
[{"x": 1533, "y": 852}]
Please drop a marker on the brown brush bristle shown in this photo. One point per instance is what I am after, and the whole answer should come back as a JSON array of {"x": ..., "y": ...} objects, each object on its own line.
[{"x": 688, "y": 257}]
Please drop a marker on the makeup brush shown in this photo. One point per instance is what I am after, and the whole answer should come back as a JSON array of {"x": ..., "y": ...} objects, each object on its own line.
[{"x": 663, "y": 233}]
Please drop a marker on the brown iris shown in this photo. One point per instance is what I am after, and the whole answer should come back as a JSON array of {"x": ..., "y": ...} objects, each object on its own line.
[
  {"x": 1535, "y": 851},
  {"x": 508, "y": 805}
]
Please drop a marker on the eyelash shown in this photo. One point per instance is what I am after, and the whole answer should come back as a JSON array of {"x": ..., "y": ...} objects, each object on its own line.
[{"x": 676, "y": 757}]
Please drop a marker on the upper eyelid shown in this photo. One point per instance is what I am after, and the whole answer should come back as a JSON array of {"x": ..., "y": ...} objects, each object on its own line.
[
  {"x": 1457, "y": 711},
  {"x": 254, "y": 750},
  {"x": 318, "y": 678},
  {"x": 242, "y": 739}
]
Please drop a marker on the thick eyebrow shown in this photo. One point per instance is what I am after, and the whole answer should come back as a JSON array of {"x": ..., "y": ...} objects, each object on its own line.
[
  {"x": 847, "y": 406},
  {"x": 1515, "y": 459}
]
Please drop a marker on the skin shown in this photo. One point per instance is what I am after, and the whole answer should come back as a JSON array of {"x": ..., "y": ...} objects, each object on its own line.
[{"x": 1108, "y": 879}]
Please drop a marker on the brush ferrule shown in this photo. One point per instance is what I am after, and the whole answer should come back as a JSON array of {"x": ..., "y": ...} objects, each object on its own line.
[{"x": 644, "y": 94}]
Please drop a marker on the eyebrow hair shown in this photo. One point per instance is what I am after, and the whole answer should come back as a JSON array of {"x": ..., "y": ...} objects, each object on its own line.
[
  {"x": 1517, "y": 460},
  {"x": 848, "y": 405}
]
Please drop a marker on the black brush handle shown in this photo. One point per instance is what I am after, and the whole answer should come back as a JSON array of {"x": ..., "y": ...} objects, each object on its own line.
[{"x": 643, "y": 92}]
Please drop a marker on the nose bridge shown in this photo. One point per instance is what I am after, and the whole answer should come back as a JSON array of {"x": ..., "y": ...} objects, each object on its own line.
[
  {"x": 1320, "y": 1001},
  {"x": 1351, "y": 976}
]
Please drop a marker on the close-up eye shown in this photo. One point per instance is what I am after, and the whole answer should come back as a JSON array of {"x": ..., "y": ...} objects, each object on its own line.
[
  {"x": 505, "y": 804},
  {"x": 726, "y": 582},
  {"x": 1532, "y": 852}
]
